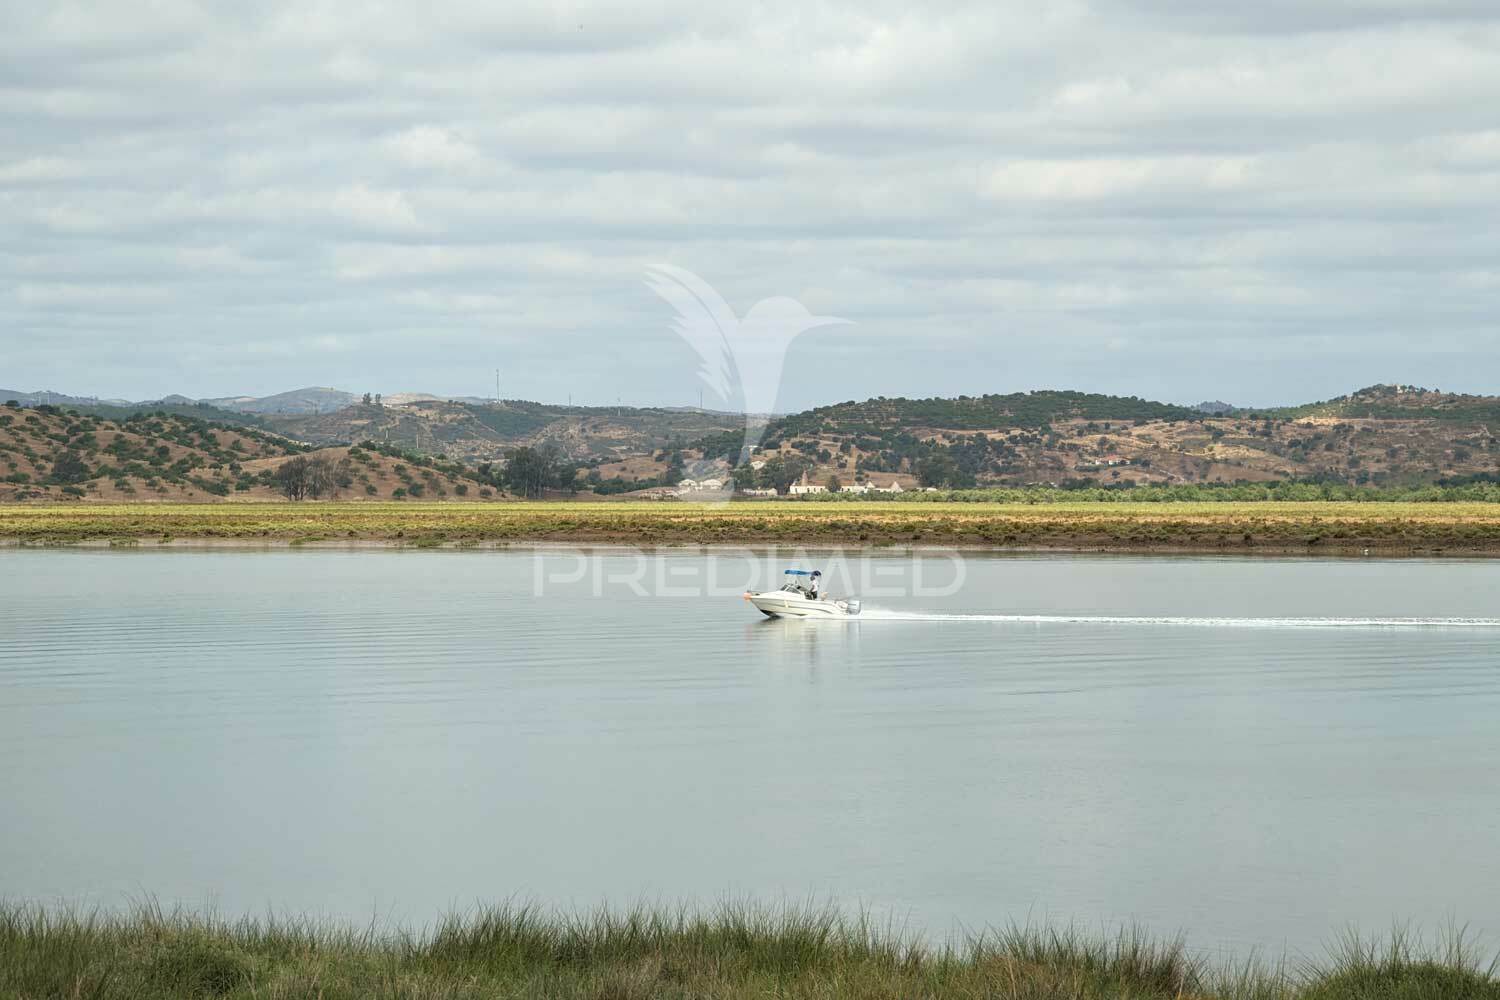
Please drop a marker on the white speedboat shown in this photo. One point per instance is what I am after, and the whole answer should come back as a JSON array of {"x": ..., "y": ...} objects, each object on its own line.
[{"x": 795, "y": 600}]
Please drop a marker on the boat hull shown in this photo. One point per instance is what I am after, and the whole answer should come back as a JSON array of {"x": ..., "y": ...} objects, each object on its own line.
[{"x": 780, "y": 604}]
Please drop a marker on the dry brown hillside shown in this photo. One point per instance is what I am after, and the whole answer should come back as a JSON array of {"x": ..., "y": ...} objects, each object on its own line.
[
  {"x": 52, "y": 454},
  {"x": 467, "y": 431},
  {"x": 1381, "y": 436}
]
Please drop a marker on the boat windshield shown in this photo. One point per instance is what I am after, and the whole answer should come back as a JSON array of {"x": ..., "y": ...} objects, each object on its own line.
[{"x": 798, "y": 581}]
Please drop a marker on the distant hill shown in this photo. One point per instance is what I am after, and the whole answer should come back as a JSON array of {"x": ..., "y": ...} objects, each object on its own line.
[
  {"x": 175, "y": 406},
  {"x": 1020, "y": 410},
  {"x": 484, "y": 432},
  {"x": 1381, "y": 435},
  {"x": 1402, "y": 402},
  {"x": 1396, "y": 435},
  {"x": 1215, "y": 407},
  {"x": 466, "y": 427},
  {"x": 51, "y": 453},
  {"x": 44, "y": 397},
  {"x": 120, "y": 409},
  {"x": 312, "y": 400}
]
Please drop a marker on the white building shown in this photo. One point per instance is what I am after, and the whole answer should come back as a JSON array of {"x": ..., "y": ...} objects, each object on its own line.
[
  {"x": 687, "y": 484},
  {"x": 856, "y": 488},
  {"x": 758, "y": 493},
  {"x": 711, "y": 484},
  {"x": 803, "y": 487},
  {"x": 895, "y": 487}
]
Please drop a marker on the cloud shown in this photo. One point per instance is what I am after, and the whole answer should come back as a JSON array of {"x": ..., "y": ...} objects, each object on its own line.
[
  {"x": 1256, "y": 202},
  {"x": 431, "y": 146}
]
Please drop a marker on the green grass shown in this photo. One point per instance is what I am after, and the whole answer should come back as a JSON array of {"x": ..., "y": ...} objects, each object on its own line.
[
  {"x": 732, "y": 952},
  {"x": 1317, "y": 526}
]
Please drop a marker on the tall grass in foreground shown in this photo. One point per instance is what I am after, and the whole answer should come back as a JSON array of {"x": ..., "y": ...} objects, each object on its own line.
[{"x": 733, "y": 952}]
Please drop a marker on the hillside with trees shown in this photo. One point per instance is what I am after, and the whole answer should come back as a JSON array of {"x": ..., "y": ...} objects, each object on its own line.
[
  {"x": 478, "y": 432},
  {"x": 1380, "y": 436},
  {"x": 48, "y": 453}
]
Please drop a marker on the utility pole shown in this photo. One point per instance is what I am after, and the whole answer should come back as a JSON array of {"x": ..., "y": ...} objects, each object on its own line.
[{"x": 497, "y": 387}]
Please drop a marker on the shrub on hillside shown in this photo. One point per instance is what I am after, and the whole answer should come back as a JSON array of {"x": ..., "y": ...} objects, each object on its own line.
[{"x": 69, "y": 468}]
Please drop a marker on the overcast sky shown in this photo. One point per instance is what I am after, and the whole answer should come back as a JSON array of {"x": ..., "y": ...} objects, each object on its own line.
[{"x": 1278, "y": 201}]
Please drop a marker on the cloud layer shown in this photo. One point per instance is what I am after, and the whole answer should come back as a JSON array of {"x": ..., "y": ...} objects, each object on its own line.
[{"x": 1264, "y": 202}]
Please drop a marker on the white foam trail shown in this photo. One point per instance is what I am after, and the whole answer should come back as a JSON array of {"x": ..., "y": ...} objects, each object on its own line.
[{"x": 880, "y": 614}]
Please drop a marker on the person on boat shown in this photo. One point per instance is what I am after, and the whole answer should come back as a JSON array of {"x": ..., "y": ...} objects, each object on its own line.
[{"x": 816, "y": 585}]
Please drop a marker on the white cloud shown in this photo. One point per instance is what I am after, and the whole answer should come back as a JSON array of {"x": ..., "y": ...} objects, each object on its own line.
[
  {"x": 431, "y": 146},
  {"x": 415, "y": 187},
  {"x": 375, "y": 208}
]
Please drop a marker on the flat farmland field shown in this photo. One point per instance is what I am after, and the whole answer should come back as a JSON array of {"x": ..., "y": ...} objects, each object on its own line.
[{"x": 1317, "y": 527}]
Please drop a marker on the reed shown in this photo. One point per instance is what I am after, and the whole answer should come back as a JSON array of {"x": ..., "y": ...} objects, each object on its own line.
[{"x": 734, "y": 951}]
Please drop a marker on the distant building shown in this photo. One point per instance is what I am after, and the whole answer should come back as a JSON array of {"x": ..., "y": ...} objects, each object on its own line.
[
  {"x": 803, "y": 487},
  {"x": 711, "y": 484},
  {"x": 856, "y": 488},
  {"x": 758, "y": 492},
  {"x": 895, "y": 487},
  {"x": 686, "y": 485},
  {"x": 757, "y": 465}
]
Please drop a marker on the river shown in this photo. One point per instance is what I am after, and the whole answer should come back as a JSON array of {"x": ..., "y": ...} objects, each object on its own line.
[{"x": 1258, "y": 753}]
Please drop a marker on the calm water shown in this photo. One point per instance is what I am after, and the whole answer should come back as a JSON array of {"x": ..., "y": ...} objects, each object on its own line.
[{"x": 404, "y": 733}]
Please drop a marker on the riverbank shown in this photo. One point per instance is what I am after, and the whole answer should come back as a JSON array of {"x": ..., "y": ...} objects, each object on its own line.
[
  {"x": 735, "y": 952},
  {"x": 1323, "y": 527}
]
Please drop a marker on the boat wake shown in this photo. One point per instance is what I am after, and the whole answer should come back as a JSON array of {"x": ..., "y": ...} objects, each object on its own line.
[{"x": 1183, "y": 621}]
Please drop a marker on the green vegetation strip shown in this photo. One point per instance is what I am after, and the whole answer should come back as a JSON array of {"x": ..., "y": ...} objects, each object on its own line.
[
  {"x": 735, "y": 952},
  {"x": 1220, "y": 526}
]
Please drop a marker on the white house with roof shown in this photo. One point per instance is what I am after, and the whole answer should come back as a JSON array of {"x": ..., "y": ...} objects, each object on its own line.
[
  {"x": 687, "y": 484},
  {"x": 803, "y": 487},
  {"x": 895, "y": 487},
  {"x": 711, "y": 484},
  {"x": 856, "y": 488}
]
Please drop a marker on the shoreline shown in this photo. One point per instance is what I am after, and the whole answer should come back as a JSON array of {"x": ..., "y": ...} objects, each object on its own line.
[
  {"x": 1282, "y": 529},
  {"x": 151, "y": 542}
]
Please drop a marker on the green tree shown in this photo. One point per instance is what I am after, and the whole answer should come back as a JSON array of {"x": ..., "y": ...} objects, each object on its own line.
[
  {"x": 780, "y": 473},
  {"x": 291, "y": 478},
  {"x": 938, "y": 469},
  {"x": 531, "y": 471},
  {"x": 304, "y": 478},
  {"x": 69, "y": 468}
]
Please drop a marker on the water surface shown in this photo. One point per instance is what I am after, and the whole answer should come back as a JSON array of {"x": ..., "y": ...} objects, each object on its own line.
[{"x": 402, "y": 733}]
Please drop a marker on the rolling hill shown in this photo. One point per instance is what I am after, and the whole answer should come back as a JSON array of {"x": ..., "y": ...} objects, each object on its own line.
[
  {"x": 484, "y": 432},
  {"x": 48, "y": 453},
  {"x": 465, "y": 428},
  {"x": 1378, "y": 436},
  {"x": 316, "y": 399},
  {"x": 1382, "y": 435}
]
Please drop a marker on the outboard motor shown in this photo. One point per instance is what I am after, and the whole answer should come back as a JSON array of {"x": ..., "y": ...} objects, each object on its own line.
[{"x": 852, "y": 605}]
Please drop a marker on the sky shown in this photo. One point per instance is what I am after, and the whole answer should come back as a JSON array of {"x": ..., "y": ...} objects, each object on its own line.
[{"x": 1265, "y": 203}]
